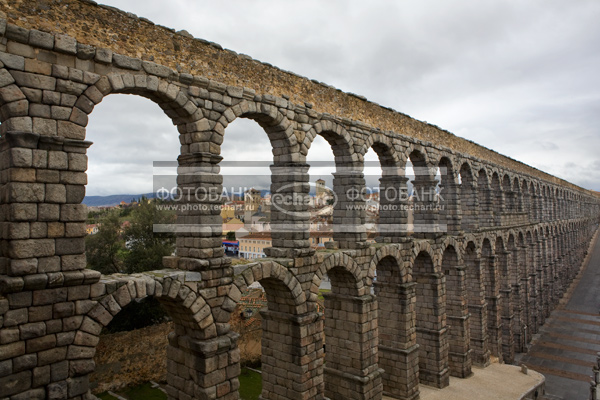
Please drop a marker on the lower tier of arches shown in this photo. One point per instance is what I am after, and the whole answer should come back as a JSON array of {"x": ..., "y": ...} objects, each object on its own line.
[{"x": 398, "y": 316}]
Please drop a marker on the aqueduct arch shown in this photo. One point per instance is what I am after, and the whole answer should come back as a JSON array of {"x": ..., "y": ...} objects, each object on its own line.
[{"x": 514, "y": 234}]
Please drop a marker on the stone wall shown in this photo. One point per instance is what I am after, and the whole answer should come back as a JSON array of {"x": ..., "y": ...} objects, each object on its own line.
[
  {"x": 474, "y": 278},
  {"x": 125, "y": 359}
]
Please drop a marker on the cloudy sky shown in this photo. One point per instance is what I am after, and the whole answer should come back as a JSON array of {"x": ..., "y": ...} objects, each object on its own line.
[{"x": 520, "y": 77}]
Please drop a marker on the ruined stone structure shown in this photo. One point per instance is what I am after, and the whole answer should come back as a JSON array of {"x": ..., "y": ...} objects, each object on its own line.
[{"x": 481, "y": 272}]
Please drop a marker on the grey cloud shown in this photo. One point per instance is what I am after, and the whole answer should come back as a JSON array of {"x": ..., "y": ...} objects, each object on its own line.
[
  {"x": 547, "y": 145},
  {"x": 128, "y": 133}
]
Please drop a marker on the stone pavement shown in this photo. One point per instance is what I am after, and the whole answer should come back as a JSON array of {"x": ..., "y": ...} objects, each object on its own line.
[
  {"x": 495, "y": 382},
  {"x": 565, "y": 350}
]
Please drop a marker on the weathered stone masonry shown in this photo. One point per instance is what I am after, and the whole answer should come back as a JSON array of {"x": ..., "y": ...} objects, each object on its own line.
[{"x": 476, "y": 279}]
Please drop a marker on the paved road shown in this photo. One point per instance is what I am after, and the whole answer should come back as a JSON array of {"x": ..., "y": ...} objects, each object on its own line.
[{"x": 566, "y": 348}]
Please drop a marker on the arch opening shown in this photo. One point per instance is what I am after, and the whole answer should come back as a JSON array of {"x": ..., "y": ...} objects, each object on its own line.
[
  {"x": 448, "y": 198},
  {"x": 350, "y": 365},
  {"x": 457, "y": 314},
  {"x": 432, "y": 336},
  {"x": 469, "y": 201},
  {"x": 424, "y": 198},
  {"x": 497, "y": 199},
  {"x": 486, "y": 200},
  {"x": 377, "y": 172},
  {"x": 247, "y": 211},
  {"x": 477, "y": 305},
  {"x": 398, "y": 351},
  {"x": 345, "y": 195},
  {"x": 491, "y": 282}
]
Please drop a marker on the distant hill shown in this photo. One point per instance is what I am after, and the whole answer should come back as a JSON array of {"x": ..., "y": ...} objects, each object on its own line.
[
  {"x": 113, "y": 200},
  {"x": 116, "y": 199}
]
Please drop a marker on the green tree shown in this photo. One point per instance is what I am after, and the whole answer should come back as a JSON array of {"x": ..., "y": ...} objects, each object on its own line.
[
  {"x": 146, "y": 248},
  {"x": 95, "y": 216},
  {"x": 138, "y": 248},
  {"x": 231, "y": 235},
  {"x": 105, "y": 250},
  {"x": 126, "y": 212}
]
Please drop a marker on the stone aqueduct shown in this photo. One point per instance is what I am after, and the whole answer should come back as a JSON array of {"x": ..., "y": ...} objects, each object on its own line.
[{"x": 444, "y": 299}]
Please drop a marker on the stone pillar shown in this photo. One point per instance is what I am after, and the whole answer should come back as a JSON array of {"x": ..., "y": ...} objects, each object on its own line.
[
  {"x": 557, "y": 267},
  {"x": 449, "y": 214},
  {"x": 203, "y": 368},
  {"x": 199, "y": 230},
  {"x": 393, "y": 211},
  {"x": 351, "y": 370},
  {"x": 469, "y": 207},
  {"x": 525, "y": 301},
  {"x": 518, "y": 298},
  {"x": 495, "y": 327},
  {"x": 507, "y": 309},
  {"x": 563, "y": 260},
  {"x": 43, "y": 186},
  {"x": 548, "y": 277},
  {"x": 555, "y": 283},
  {"x": 541, "y": 287},
  {"x": 199, "y": 223},
  {"x": 457, "y": 315},
  {"x": 518, "y": 322},
  {"x": 509, "y": 200},
  {"x": 560, "y": 272},
  {"x": 475, "y": 293},
  {"x": 519, "y": 200},
  {"x": 486, "y": 215},
  {"x": 398, "y": 350},
  {"x": 432, "y": 332},
  {"x": 508, "y": 339},
  {"x": 526, "y": 204},
  {"x": 533, "y": 292},
  {"x": 547, "y": 297},
  {"x": 500, "y": 206},
  {"x": 425, "y": 221},
  {"x": 494, "y": 311},
  {"x": 479, "y": 334},
  {"x": 536, "y": 208},
  {"x": 573, "y": 258},
  {"x": 564, "y": 255},
  {"x": 43, "y": 273},
  {"x": 349, "y": 211},
  {"x": 546, "y": 213},
  {"x": 290, "y": 219},
  {"x": 292, "y": 356}
]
